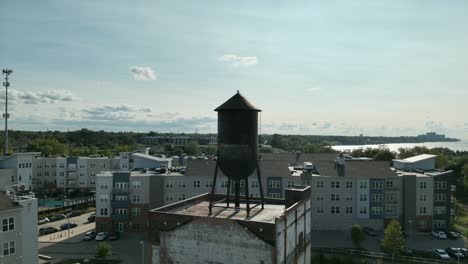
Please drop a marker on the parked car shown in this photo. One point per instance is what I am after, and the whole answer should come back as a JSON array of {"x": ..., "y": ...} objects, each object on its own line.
[
  {"x": 47, "y": 230},
  {"x": 43, "y": 221},
  {"x": 464, "y": 251},
  {"x": 57, "y": 217},
  {"x": 439, "y": 234},
  {"x": 74, "y": 213},
  {"x": 92, "y": 218},
  {"x": 455, "y": 253},
  {"x": 101, "y": 236},
  {"x": 114, "y": 236},
  {"x": 369, "y": 231},
  {"x": 68, "y": 226},
  {"x": 89, "y": 235},
  {"x": 452, "y": 235},
  {"x": 441, "y": 254}
]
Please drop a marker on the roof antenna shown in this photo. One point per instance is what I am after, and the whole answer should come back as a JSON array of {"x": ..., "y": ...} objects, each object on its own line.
[{"x": 237, "y": 91}]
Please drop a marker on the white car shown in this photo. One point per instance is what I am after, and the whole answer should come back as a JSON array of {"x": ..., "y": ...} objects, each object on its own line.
[
  {"x": 439, "y": 234},
  {"x": 441, "y": 254},
  {"x": 101, "y": 236},
  {"x": 43, "y": 221}
]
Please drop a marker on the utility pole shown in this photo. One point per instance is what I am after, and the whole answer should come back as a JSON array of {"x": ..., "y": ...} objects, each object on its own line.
[{"x": 6, "y": 72}]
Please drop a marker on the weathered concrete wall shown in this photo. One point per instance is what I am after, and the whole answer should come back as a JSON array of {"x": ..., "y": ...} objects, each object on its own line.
[
  {"x": 293, "y": 235},
  {"x": 211, "y": 240}
]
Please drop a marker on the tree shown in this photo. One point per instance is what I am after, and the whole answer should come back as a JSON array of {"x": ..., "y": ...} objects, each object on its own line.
[
  {"x": 393, "y": 240},
  {"x": 192, "y": 148},
  {"x": 103, "y": 250},
  {"x": 357, "y": 235}
]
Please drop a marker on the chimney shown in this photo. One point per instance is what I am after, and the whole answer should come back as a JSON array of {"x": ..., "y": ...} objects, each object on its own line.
[{"x": 340, "y": 165}]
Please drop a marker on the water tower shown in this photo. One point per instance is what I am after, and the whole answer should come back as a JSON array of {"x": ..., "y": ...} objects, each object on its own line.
[{"x": 237, "y": 148}]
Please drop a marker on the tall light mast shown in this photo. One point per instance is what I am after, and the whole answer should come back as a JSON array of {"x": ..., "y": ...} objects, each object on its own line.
[{"x": 6, "y": 115}]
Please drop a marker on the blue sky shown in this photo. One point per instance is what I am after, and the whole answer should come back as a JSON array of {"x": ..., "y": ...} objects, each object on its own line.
[{"x": 313, "y": 67}]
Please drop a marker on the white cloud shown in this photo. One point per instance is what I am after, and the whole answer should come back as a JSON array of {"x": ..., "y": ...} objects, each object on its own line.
[
  {"x": 114, "y": 112},
  {"x": 143, "y": 73},
  {"x": 314, "y": 89},
  {"x": 238, "y": 61},
  {"x": 48, "y": 97}
]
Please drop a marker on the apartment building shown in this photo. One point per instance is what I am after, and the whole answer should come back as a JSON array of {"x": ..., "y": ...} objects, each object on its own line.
[
  {"x": 18, "y": 230},
  {"x": 21, "y": 163}
]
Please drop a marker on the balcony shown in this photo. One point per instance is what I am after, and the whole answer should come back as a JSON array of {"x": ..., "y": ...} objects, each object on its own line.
[
  {"x": 120, "y": 217},
  {"x": 120, "y": 191},
  {"x": 120, "y": 204}
]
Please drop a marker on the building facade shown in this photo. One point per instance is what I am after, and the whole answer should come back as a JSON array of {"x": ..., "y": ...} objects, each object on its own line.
[{"x": 18, "y": 231}]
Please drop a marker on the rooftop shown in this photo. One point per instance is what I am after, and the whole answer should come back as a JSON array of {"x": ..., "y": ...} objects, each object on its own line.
[
  {"x": 141, "y": 155},
  {"x": 138, "y": 173},
  {"x": 417, "y": 158},
  {"x": 7, "y": 204}
]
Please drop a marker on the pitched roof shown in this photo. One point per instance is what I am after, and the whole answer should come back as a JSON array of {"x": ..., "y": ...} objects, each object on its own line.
[{"x": 237, "y": 102}]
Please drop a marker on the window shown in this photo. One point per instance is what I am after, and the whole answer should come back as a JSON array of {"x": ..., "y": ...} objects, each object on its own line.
[
  {"x": 335, "y": 196},
  {"x": 136, "y": 211},
  {"x": 120, "y": 211},
  {"x": 439, "y": 223},
  {"x": 182, "y": 197},
  {"x": 377, "y": 210},
  {"x": 210, "y": 183},
  {"x": 319, "y": 196},
  {"x": 363, "y": 210},
  {"x": 422, "y": 210},
  {"x": 422, "y": 197},
  {"x": 335, "y": 210},
  {"x": 275, "y": 195},
  {"x": 319, "y": 210},
  {"x": 121, "y": 197},
  {"x": 8, "y": 224},
  {"x": 136, "y": 184},
  {"x": 349, "y": 184},
  {"x": 377, "y": 197},
  {"x": 290, "y": 184},
  {"x": 349, "y": 210},
  {"x": 62, "y": 165},
  {"x": 241, "y": 184},
  {"x": 9, "y": 248},
  {"x": 169, "y": 197},
  {"x": 363, "y": 185},
  {"x": 440, "y": 185},
  {"x": 363, "y": 197},
  {"x": 274, "y": 184},
  {"x": 62, "y": 173},
  {"x": 423, "y": 185},
  {"x": 224, "y": 184},
  {"x": 389, "y": 210},
  {"x": 377, "y": 185},
  {"x": 440, "y": 210},
  {"x": 169, "y": 185},
  {"x": 104, "y": 211},
  {"x": 389, "y": 184},
  {"x": 389, "y": 197},
  {"x": 335, "y": 184},
  {"x": 93, "y": 165},
  {"x": 254, "y": 184},
  {"x": 319, "y": 184},
  {"x": 196, "y": 184},
  {"x": 349, "y": 197},
  {"x": 440, "y": 197},
  {"x": 136, "y": 198}
]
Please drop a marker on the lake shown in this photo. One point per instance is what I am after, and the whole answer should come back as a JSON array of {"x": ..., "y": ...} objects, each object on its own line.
[{"x": 455, "y": 146}]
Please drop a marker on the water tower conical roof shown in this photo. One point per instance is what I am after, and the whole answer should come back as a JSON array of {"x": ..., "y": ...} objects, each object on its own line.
[{"x": 237, "y": 102}]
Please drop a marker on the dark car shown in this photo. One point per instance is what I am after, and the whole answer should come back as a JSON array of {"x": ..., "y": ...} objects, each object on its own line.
[
  {"x": 455, "y": 253},
  {"x": 369, "y": 231},
  {"x": 68, "y": 226},
  {"x": 74, "y": 213},
  {"x": 47, "y": 230},
  {"x": 114, "y": 236},
  {"x": 452, "y": 235},
  {"x": 92, "y": 218},
  {"x": 464, "y": 251},
  {"x": 57, "y": 217}
]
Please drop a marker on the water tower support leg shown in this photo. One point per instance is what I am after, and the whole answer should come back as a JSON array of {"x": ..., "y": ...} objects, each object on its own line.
[
  {"x": 262, "y": 198},
  {"x": 228, "y": 196},
  {"x": 237, "y": 193},
  {"x": 213, "y": 188},
  {"x": 247, "y": 195}
]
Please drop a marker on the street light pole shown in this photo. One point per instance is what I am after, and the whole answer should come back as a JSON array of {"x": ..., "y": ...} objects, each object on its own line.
[
  {"x": 142, "y": 252},
  {"x": 6, "y": 72}
]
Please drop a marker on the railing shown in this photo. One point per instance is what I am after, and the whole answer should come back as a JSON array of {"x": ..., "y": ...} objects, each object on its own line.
[{"x": 120, "y": 191}]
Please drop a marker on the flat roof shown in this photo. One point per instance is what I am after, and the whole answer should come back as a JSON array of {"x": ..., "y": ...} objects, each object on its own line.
[
  {"x": 416, "y": 158},
  {"x": 200, "y": 209},
  {"x": 151, "y": 157}
]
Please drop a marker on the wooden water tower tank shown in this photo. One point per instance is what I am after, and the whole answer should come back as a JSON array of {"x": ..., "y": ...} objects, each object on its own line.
[{"x": 237, "y": 145}]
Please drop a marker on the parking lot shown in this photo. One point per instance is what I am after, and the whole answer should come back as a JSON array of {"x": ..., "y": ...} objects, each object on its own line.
[
  {"x": 61, "y": 246},
  {"x": 417, "y": 241}
]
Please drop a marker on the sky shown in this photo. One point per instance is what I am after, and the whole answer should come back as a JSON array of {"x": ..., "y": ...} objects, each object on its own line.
[{"x": 380, "y": 68}]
